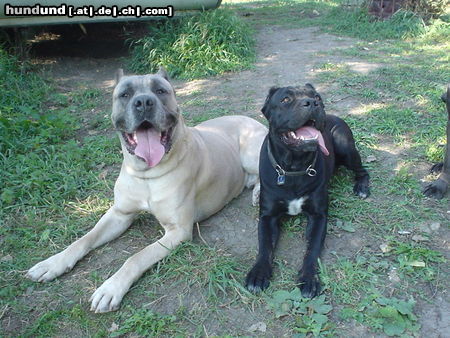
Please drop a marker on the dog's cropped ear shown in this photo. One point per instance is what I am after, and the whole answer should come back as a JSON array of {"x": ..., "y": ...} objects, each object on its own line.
[
  {"x": 118, "y": 76},
  {"x": 316, "y": 94},
  {"x": 265, "y": 108},
  {"x": 163, "y": 73},
  {"x": 310, "y": 86}
]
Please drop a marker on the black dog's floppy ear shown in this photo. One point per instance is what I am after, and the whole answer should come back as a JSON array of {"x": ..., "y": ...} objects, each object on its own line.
[
  {"x": 118, "y": 76},
  {"x": 163, "y": 73},
  {"x": 265, "y": 108}
]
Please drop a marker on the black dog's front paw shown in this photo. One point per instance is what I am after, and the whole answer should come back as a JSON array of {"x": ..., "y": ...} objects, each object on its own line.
[
  {"x": 361, "y": 189},
  {"x": 258, "y": 277},
  {"x": 437, "y": 168},
  {"x": 436, "y": 189},
  {"x": 309, "y": 285}
]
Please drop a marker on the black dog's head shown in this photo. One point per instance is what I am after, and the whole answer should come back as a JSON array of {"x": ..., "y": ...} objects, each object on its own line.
[{"x": 296, "y": 117}]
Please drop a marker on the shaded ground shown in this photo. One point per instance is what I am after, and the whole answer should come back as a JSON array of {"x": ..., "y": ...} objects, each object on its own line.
[{"x": 285, "y": 57}]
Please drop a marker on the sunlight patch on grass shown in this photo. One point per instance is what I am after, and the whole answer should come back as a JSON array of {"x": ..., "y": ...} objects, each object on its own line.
[{"x": 93, "y": 204}]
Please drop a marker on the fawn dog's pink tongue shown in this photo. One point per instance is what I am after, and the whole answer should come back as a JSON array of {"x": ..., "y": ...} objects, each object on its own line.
[
  {"x": 313, "y": 133},
  {"x": 149, "y": 146}
]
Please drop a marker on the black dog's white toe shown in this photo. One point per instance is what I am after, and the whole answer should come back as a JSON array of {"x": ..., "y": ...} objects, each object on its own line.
[
  {"x": 309, "y": 286},
  {"x": 258, "y": 279},
  {"x": 362, "y": 190}
]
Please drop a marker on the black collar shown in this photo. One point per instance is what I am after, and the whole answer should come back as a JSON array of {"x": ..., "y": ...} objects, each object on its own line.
[{"x": 310, "y": 171}]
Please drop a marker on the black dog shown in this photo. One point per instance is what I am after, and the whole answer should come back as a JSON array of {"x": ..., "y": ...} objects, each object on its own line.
[
  {"x": 438, "y": 188},
  {"x": 297, "y": 160}
]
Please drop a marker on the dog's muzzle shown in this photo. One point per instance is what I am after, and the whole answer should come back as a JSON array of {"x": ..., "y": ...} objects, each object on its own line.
[{"x": 149, "y": 143}]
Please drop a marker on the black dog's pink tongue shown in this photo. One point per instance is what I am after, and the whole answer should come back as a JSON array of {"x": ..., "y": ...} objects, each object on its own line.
[
  {"x": 149, "y": 146},
  {"x": 309, "y": 133}
]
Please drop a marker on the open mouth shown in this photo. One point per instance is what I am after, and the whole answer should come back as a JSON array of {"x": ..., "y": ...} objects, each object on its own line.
[
  {"x": 148, "y": 143},
  {"x": 306, "y": 134}
]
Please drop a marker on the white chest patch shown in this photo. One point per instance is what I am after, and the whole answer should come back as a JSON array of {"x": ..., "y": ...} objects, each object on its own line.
[{"x": 295, "y": 206}]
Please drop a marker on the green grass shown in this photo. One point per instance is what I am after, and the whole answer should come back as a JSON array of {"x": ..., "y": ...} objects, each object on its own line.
[
  {"x": 358, "y": 24},
  {"x": 47, "y": 174},
  {"x": 52, "y": 323},
  {"x": 348, "y": 279},
  {"x": 202, "y": 267},
  {"x": 204, "y": 44},
  {"x": 400, "y": 109},
  {"x": 146, "y": 323},
  {"x": 38, "y": 145},
  {"x": 334, "y": 16},
  {"x": 402, "y": 98},
  {"x": 417, "y": 261}
]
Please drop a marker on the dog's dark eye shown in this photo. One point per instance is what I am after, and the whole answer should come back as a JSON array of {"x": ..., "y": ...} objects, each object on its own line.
[
  {"x": 125, "y": 95},
  {"x": 161, "y": 91},
  {"x": 286, "y": 99}
]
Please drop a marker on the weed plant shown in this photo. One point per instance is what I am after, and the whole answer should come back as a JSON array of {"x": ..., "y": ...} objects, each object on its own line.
[{"x": 208, "y": 43}]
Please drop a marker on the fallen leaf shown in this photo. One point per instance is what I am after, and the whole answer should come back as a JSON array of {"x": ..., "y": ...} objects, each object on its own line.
[
  {"x": 29, "y": 290},
  {"x": 7, "y": 258},
  {"x": 114, "y": 327},
  {"x": 419, "y": 238},
  {"x": 348, "y": 227},
  {"x": 260, "y": 326},
  {"x": 393, "y": 276},
  {"x": 103, "y": 174},
  {"x": 435, "y": 226},
  {"x": 371, "y": 158},
  {"x": 425, "y": 228},
  {"x": 417, "y": 264},
  {"x": 385, "y": 248}
]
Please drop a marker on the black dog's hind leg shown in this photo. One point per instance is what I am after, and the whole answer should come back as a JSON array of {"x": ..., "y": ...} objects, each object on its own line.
[
  {"x": 347, "y": 155},
  {"x": 352, "y": 161},
  {"x": 438, "y": 188},
  {"x": 258, "y": 277},
  {"x": 308, "y": 280},
  {"x": 437, "y": 168}
]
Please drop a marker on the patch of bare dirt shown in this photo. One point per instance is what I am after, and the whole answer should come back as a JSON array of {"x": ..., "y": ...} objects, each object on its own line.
[{"x": 285, "y": 57}]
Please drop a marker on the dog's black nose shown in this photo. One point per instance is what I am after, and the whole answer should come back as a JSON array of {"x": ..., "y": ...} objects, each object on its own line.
[
  {"x": 309, "y": 103},
  {"x": 143, "y": 103}
]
